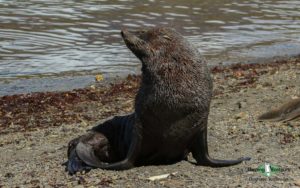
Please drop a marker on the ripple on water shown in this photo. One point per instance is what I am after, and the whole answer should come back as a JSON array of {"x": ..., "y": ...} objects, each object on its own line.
[{"x": 39, "y": 37}]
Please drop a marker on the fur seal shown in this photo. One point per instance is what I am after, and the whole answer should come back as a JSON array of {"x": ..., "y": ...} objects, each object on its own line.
[
  {"x": 286, "y": 112},
  {"x": 171, "y": 110}
]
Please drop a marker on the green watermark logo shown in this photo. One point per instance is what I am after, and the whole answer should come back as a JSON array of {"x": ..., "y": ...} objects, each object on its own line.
[{"x": 268, "y": 169}]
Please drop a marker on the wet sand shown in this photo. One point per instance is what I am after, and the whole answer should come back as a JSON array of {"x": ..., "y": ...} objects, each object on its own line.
[{"x": 35, "y": 129}]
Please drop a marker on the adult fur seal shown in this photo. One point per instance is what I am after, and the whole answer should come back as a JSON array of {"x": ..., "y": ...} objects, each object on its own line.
[{"x": 171, "y": 110}]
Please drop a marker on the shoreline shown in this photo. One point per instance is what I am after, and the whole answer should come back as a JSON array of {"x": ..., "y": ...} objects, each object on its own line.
[
  {"x": 14, "y": 108},
  {"x": 35, "y": 129},
  {"x": 70, "y": 80}
]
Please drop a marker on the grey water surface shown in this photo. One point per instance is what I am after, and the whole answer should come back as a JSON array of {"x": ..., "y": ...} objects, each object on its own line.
[{"x": 42, "y": 37}]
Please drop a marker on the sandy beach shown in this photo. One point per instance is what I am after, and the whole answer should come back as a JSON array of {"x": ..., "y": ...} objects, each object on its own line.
[{"x": 35, "y": 129}]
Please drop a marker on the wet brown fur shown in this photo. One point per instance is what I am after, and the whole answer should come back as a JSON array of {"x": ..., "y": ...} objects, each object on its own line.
[{"x": 171, "y": 108}]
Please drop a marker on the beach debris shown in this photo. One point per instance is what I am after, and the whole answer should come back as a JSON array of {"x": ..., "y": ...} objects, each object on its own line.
[
  {"x": 93, "y": 87},
  {"x": 160, "y": 177},
  {"x": 297, "y": 183},
  {"x": 286, "y": 112},
  {"x": 241, "y": 115},
  {"x": 44, "y": 109},
  {"x": 99, "y": 77},
  {"x": 286, "y": 138},
  {"x": 9, "y": 175}
]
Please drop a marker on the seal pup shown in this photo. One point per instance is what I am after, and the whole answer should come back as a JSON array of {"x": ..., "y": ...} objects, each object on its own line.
[
  {"x": 286, "y": 112},
  {"x": 171, "y": 110}
]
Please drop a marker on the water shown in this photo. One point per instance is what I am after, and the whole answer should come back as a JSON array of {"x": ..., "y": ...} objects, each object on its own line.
[{"x": 39, "y": 37}]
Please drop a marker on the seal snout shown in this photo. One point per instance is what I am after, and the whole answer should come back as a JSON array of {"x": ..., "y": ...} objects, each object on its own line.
[
  {"x": 129, "y": 37},
  {"x": 124, "y": 33}
]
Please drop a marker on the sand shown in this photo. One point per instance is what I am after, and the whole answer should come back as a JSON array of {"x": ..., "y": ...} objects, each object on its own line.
[{"x": 35, "y": 129}]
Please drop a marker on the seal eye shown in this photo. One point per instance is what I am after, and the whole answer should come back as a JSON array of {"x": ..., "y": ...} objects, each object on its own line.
[{"x": 142, "y": 31}]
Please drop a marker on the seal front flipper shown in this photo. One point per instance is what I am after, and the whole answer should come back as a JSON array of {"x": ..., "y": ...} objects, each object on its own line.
[
  {"x": 113, "y": 145},
  {"x": 200, "y": 153}
]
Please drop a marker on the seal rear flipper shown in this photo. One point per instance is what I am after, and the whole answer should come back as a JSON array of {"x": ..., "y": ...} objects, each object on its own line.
[
  {"x": 280, "y": 116},
  {"x": 207, "y": 161},
  {"x": 286, "y": 112},
  {"x": 75, "y": 164},
  {"x": 130, "y": 128},
  {"x": 292, "y": 115},
  {"x": 87, "y": 154},
  {"x": 200, "y": 153},
  {"x": 273, "y": 115}
]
